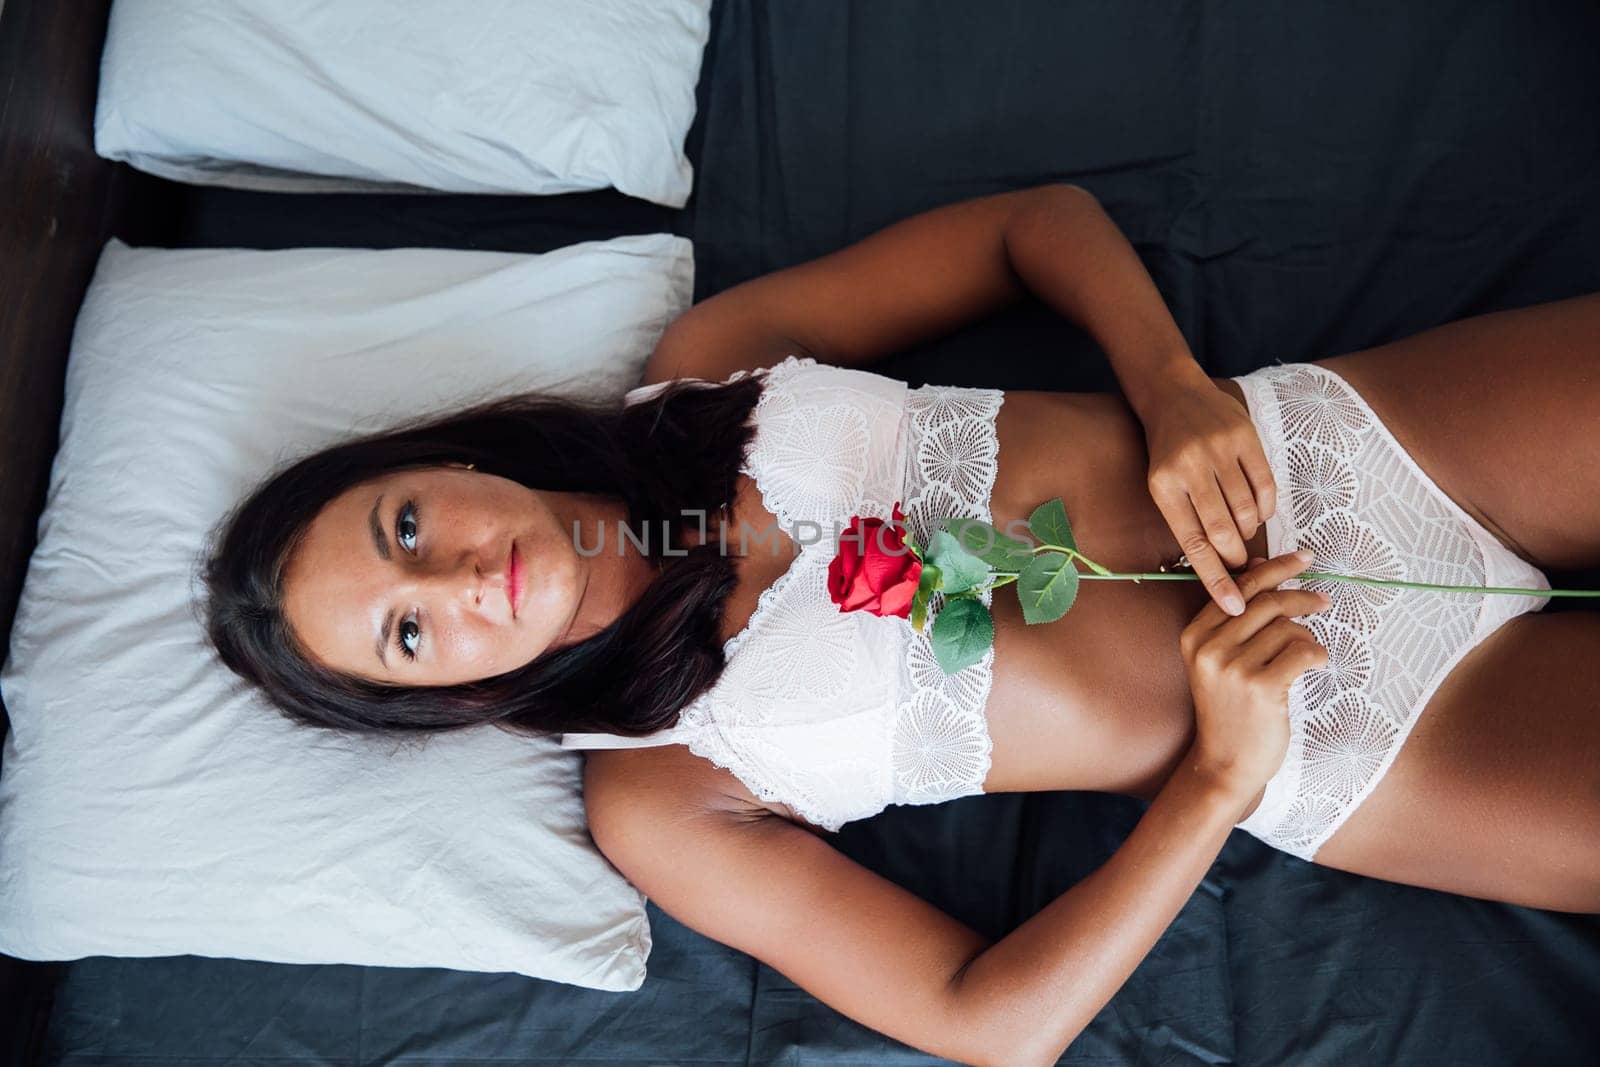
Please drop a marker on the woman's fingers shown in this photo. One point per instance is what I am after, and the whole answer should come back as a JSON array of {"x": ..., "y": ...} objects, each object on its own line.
[
  {"x": 1216, "y": 519},
  {"x": 1266, "y": 609},
  {"x": 1254, "y": 464},
  {"x": 1241, "y": 502},
  {"x": 1172, "y": 499},
  {"x": 1261, "y": 647},
  {"x": 1279, "y": 568},
  {"x": 1259, "y": 577},
  {"x": 1206, "y": 527},
  {"x": 1295, "y": 659},
  {"x": 1213, "y": 573}
]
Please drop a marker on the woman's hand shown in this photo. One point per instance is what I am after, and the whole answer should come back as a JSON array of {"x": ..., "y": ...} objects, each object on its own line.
[
  {"x": 1240, "y": 670},
  {"x": 1209, "y": 476}
]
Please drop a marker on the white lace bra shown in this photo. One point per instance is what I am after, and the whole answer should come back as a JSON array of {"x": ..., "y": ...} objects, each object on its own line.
[{"x": 840, "y": 714}]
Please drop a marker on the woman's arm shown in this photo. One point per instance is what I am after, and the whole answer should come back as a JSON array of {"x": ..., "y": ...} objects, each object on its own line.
[
  {"x": 883, "y": 956},
  {"x": 1071, "y": 255},
  {"x": 909, "y": 282},
  {"x": 1051, "y": 976},
  {"x": 887, "y": 958},
  {"x": 926, "y": 275},
  {"x": 1209, "y": 474}
]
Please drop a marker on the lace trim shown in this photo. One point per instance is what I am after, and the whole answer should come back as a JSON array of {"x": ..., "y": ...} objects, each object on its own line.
[
  {"x": 940, "y": 744},
  {"x": 771, "y": 396},
  {"x": 709, "y": 742}
]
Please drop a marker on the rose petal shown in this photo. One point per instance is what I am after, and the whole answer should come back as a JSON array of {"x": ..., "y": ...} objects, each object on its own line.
[
  {"x": 860, "y": 597},
  {"x": 852, "y": 545},
  {"x": 897, "y": 600},
  {"x": 849, "y": 558},
  {"x": 884, "y": 572},
  {"x": 837, "y": 583}
]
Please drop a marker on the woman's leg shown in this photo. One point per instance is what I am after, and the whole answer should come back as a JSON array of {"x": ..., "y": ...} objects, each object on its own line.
[
  {"x": 1503, "y": 412},
  {"x": 1496, "y": 791}
]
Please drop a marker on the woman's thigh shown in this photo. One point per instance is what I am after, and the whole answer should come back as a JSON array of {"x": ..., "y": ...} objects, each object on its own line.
[
  {"x": 1503, "y": 412},
  {"x": 1496, "y": 792}
]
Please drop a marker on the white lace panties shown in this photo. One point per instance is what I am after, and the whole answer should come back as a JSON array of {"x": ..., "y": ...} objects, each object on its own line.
[{"x": 1349, "y": 492}]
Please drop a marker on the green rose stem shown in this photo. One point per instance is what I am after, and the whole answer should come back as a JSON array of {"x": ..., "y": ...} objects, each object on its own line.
[
  {"x": 1099, "y": 573},
  {"x": 966, "y": 557}
]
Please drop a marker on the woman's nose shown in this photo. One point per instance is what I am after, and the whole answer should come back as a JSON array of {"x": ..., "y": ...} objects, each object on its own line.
[{"x": 463, "y": 580}]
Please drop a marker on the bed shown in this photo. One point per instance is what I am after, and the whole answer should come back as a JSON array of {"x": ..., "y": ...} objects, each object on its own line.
[{"x": 1301, "y": 180}]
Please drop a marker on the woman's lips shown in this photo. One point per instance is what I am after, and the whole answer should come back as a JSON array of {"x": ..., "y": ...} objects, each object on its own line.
[{"x": 514, "y": 586}]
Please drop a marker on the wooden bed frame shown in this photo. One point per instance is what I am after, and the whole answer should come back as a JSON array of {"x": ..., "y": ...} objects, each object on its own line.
[{"x": 62, "y": 202}]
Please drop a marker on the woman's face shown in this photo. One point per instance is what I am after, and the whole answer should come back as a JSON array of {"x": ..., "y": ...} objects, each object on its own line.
[{"x": 418, "y": 564}]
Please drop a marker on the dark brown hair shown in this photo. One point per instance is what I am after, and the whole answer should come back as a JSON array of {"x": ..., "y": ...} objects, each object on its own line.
[{"x": 680, "y": 449}]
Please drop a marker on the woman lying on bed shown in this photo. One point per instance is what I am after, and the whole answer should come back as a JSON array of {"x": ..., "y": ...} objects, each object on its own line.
[{"x": 473, "y": 569}]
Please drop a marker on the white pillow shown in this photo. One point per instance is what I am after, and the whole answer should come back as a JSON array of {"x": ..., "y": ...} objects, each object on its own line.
[
  {"x": 151, "y": 802},
  {"x": 493, "y": 96}
]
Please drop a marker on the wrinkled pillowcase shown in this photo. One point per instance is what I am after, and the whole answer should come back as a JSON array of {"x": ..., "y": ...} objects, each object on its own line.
[{"x": 496, "y": 96}]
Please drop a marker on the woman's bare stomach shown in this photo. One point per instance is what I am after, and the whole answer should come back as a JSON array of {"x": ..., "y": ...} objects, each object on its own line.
[{"x": 1098, "y": 699}]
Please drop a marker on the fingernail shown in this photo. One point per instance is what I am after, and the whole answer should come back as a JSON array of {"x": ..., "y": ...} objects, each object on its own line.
[
  {"x": 1233, "y": 604},
  {"x": 1302, "y": 554}
]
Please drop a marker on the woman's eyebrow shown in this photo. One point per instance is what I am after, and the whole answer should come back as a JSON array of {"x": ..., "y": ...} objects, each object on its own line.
[
  {"x": 379, "y": 541},
  {"x": 383, "y": 638}
]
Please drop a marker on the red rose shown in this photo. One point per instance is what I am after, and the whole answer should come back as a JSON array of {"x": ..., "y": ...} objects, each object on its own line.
[{"x": 874, "y": 570}]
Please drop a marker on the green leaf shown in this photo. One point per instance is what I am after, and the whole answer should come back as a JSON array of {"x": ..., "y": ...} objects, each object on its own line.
[
  {"x": 930, "y": 579},
  {"x": 1047, "y": 587},
  {"x": 960, "y": 570},
  {"x": 1049, "y": 524},
  {"x": 962, "y": 632},
  {"x": 978, "y": 538}
]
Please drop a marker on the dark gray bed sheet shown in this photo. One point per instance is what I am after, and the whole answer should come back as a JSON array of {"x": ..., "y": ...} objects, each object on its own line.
[{"x": 1302, "y": 179}]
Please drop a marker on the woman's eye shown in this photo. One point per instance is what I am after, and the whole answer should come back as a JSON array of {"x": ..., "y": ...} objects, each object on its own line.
[
  {"x": 408, "y": 635},
  {"x": 406, "y": 526}
]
